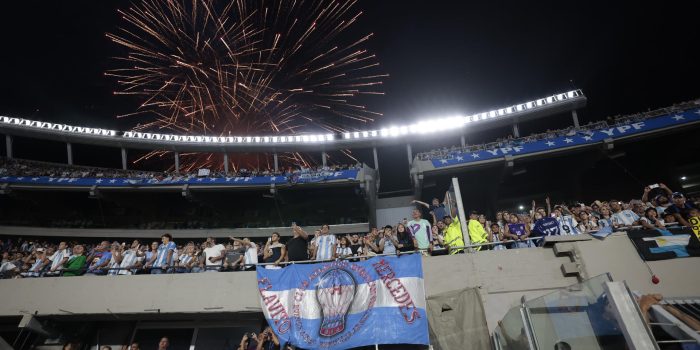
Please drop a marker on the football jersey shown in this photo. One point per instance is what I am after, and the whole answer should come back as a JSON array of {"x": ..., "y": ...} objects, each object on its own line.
[
  {"x": 567, "y": 225},
  {"x": 546, "y": 227}
]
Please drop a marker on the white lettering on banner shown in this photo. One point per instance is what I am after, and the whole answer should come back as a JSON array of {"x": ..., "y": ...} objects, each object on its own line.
[
  {"x": 608, "y": 132},
  {"x": 337, "y": 173},
  {"x": 623, "y": 128},
  {"x": 638, "y": 126},
  {"x": 505, "y": 150}
]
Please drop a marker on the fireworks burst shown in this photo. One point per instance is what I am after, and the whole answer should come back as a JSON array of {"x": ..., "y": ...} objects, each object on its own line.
[{"x": 245, "y": 67}]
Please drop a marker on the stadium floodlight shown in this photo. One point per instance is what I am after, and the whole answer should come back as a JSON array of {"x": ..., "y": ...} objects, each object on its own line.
[
  {"x": 346, "y": 135},
  {"x": 492, "y": 114},
  {"x": 274, "y": 139},
  {"x": 330, "y": 137},
  {"x": 384, "y": 132},
  {"x": 374, "y": 133},
  {"x": 305, "y": 138},
  {"x": 356, "y": 134},
  {"x": 297, "y": 138},
  {"x": 572, "y": 94},
  {"x": 365, "y": 134},
  {"x": 403, "y": 130},
  {"x": 313, "y": 138}
]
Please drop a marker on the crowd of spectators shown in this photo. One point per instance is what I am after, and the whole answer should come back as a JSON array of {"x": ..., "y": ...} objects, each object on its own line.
[
  {"x": 658, "y": 207},
  {"x": 29, "y": 168},
  {"x": 510, "y": 141}
]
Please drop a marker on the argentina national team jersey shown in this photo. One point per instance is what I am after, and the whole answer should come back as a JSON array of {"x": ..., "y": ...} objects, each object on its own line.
[
  {"x": 625, "y": 217},
  {"x": 162, "y": 257},
  {"x": 58, "y": 257},
  {"x": 129, "y": 259},
  {"x": 324, "y": 247},
  {"x": 567, "y": 225}
]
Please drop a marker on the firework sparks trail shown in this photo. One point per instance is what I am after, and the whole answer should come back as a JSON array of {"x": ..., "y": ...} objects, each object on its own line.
[{"x": 244, "y": 67}]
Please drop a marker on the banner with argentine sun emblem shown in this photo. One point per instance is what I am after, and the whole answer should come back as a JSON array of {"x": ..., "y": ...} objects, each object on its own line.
[
  {"x": 342, "y": 304},
  {"x": 660, "y": 244}
]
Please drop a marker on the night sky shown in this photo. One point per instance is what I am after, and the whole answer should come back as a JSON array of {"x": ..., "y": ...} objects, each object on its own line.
[{"x": 442, "y": 57}]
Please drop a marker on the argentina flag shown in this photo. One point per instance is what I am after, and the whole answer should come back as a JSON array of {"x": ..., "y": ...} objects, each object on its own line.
[{"x": 342, "y": 304}]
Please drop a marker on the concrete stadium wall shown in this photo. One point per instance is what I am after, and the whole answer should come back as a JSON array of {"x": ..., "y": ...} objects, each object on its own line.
[{"x": 502, "y": 277}]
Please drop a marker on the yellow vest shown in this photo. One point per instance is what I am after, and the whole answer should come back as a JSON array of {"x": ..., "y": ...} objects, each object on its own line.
[{"x": 453, "y": 236}]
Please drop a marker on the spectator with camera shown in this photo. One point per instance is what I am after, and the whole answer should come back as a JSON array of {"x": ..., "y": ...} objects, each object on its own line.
[
  {"x": 406, "y": 241},
  {"x": 650, "y": 219},
  {"x": 274, "y": 251},
  {"x": 127, "y": 260},
  {"x": 297, "y": 246}
]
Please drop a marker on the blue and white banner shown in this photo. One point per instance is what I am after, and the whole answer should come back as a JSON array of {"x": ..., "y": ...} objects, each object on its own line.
[
  {"x": 342, "y": 304},
  {"x": 580, "y": 138},
  {"x": 126, "y": 182}
]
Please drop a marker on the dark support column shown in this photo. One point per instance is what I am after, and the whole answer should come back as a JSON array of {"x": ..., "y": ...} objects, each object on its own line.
[
  {"x": 516, "y": 131},
  {"x": 464, "y": 141},
  {"x": 410, "y": 154},
  {"x": 574, "y": 116},
  {"x": 324, "y": 157},
  {"x": 177, "y": 162},
  {"x": 226, "y": 163},
  {"x": 69, "y": 151},
  {"x": 276, "y": 163},
  {"x": 8, "y": 144},
  {"x": 123, "y": 158}
]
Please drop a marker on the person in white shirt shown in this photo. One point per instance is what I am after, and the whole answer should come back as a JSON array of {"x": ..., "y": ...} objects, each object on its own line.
[
  {"x": 214, "y": 255},
  {"x": 60, "y": 257},
  {"x": 251, "y": 252},
  {"x": 343, "y": 250},
  {"x": 325, "y": 244},
  {"x": 622, "y": 218},
  {"x": 127, "y": 260}
]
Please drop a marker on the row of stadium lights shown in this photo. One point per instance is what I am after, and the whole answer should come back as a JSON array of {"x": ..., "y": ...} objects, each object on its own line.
[
  {"x": 434, "y": 125},
  {"x": 423, "y": 127}
]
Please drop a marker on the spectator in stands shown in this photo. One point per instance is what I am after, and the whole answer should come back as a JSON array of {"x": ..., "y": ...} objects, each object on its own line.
[
  {"x": 100, "y": 259},
  {"x": 371, "y": 243},
  {"x": 661, "y": 200},
  {"x": 477, "y": 233},
  {"x": 343, "y": 250},
  {"x": 670, "y": 221},
  {"x": 8, "y": 268},
  {"x": 586, "y": 223},
  {"x": 420, "y": 229},
  {"x": 605, "y": 219},
  {"x": 134, "y": 346},
  {"x": 214, "y": 255},
  {"x": 622, "y": 218},
  {"x": 406, "y": 241},
  {"x": 129, "y": 260},
  {"x": 235, "y": 256},
  {"x": 517, "y": 231},
  {"x": 163, "y": 259},
  {"x": 150, "y": 254},
  {"x": 251, "y": 253},
  {"x": 59, "y": 258},
  {"x": 187, "y": 259},
  {"x": 453, "y": 234},
  {"x": 267, "y": 340},
  {"x": 249, "y": 341},
  {"x": 496, "y": 236},
  {"x": 567, "y": 223},
  {"x": 388, "y": 242},
  {"x": 355, "y": 244},
  {"x": 324, "y": 245},
  {"x": 274, "y": 251},
  {"x": 438, "y": 244},
  {"x": 650, "y": 220},
  {"x": 436, "y": 208},
  {"x": 164, "y": 343},
  {"x": 297, "y": 245},
  {"x": 75, "y": 265},
  {"x": 680, "y": 208}
]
